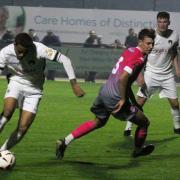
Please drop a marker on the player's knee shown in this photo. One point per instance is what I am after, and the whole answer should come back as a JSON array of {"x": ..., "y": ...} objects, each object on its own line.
[
  {"x": 175, "y": 106},
  {"x": 141, "y": 101},
  {"x": 7, "y": 113},
  {"x": 100, "y": 123}
]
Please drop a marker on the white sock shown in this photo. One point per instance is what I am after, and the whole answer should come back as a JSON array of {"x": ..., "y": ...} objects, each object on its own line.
[
  {"x": 128, "y": 125},
  {"x": 176, "y": 118},
  {"x": 4, "y": 146},
  {"x": 68, "y": 139},
  {"x": 3, "y": 121}
]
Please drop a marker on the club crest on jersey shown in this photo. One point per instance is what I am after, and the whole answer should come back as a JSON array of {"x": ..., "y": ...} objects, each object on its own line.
[
  {"x": 131, "y": 49},
  {"x": 49, "y": 52},
  {"x": 170, "y": 41}
]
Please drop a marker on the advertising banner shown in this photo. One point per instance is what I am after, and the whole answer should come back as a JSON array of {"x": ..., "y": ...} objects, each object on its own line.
[{"x": 73, "y": 25}]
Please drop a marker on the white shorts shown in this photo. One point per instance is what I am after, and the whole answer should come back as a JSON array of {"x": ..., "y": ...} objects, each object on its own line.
[
  {"x": 165, "y": 85},
  {"x": 28, "y": 97}
]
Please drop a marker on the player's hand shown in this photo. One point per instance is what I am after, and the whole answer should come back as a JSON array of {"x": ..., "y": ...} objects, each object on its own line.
[
  {"x": 178, "y": 73},
  {"x": 78, "y": 91},
  {"x": 118, "y": 106}
]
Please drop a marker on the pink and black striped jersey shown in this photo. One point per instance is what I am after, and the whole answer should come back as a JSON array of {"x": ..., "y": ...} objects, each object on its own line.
[{"x": 132, "y": 61}]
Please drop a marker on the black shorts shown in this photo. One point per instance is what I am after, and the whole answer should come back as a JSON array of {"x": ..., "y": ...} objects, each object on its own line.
[{"x": 103, "y": 107}]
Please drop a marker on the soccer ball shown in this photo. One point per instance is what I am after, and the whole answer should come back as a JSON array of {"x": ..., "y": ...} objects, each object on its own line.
[{"x": 7, "y": 160}]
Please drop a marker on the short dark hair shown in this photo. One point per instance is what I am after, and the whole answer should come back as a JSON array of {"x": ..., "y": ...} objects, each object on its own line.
[
  {"x": 146, "y": 33},
  {"x": 31, "y": 30},
  {"x": 24, "y": 39},
  {"x": 163, "y": 14}
]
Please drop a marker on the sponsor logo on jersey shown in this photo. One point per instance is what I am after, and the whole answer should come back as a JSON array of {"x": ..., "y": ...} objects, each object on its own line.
[
  {"x": 170, "y": 41},
  {"x": 131, "y": 49},
  {"x": 49, "y": 52}
]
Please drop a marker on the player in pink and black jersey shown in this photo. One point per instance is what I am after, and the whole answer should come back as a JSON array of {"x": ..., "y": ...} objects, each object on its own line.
[{"x": 116, "y": 98}]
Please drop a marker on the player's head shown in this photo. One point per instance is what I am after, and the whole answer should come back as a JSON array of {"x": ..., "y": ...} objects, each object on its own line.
[
  {"x": 92, "y": 34},
  {"x": 22, "y": 43},
  {"x": 131, "y": 31},
  {"x": 163, "y": 21},
  {"x": 146, "y": 40},
  {"x": 4, "y": 15}
]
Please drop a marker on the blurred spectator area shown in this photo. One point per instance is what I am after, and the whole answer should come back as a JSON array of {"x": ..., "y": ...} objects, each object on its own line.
[
  {"x": 155, "y": 5},
  {"x": 87, "y": 59}
]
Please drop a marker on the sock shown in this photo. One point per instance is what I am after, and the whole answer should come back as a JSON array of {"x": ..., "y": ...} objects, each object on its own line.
[
  {"x": 83, "y": 129},
  {"x": 68, "y": 139},
  {"x": 80, "y": 131},
  {"x": 176, "y": 118},
  {"x": 128, "y": 125},
  {"x": 12, "y": 141},
  {"x": 140, "y": 136},
  {"x": 3, "y": 121},
  {"x": 4, "y": 146}
]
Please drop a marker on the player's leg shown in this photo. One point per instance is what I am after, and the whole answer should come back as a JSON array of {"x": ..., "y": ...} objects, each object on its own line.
[
  {"x": 141, "y": 101},
  {"x": 175, "y": 114},
  {"x": 101, "y": 118},
  {"x": 169, "y": 91},
  {"x": 151, "y": 85},
  {"x": 8, "y": 110},
  {"x": 80, "y": 131},
  {"x": 10, "y": 102},
  {"x": 25, "y": 120},
  {"x": 28, "y": 108},
  {"x": 142, "y": 123}
]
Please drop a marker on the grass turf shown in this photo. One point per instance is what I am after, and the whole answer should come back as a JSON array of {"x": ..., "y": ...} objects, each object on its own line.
[{"x": 103, "y": 154}]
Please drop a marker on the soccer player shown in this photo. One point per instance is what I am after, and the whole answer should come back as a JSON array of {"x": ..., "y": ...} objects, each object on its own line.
[
  {"x": 158, "y": 73},
  {"x": 25, "y": 61},
  {"x": 116, "y": 98}
]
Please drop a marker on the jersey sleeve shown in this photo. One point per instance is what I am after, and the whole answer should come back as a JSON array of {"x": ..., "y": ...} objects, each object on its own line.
[
  {"x": 132, "y": 60},
  {"x": 3, "y": 57},
  {"x": 54, "y": 55},
  {"x": 46, "y": 52},
  {"x": 175, "y": 45}
]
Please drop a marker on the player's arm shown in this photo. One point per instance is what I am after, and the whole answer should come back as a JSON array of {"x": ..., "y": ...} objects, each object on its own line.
[
  {"x": 56, "y": 56},
  {"x": 176, "y": 65},
  {"x": 71, "y": 75},
  {"x": 175, "y": 59},
  {"x": 123, "y": 82}
]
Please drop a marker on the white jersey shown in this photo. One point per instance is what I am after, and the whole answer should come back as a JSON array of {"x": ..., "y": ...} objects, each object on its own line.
[
  {"x": 160, "y": 58},
  {"x": 30, "y": 69}
]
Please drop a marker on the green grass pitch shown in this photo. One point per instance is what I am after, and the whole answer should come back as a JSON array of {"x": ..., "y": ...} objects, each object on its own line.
[{"x": 103, "y": 154}]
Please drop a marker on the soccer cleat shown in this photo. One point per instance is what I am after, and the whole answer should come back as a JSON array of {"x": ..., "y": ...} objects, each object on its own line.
[
  {"x": 60, "y": 148},
  {"x": 144, "y": 151},
  {"x": 127, "y": 133},
  {"x": 177, "y": 131}
]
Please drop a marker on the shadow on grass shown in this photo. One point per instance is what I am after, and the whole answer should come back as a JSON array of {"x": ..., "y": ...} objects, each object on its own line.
[
  {"x": 164, "y": 140},
  {"x": 106, "y": 166},
  {"x": 128, "y": 142},
  {"x": 83, "y": 169}
]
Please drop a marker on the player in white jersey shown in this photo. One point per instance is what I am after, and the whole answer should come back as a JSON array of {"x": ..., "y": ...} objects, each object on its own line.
[
  {"x": 25, "y": 60},
  {"x": 158, "y": 74}
]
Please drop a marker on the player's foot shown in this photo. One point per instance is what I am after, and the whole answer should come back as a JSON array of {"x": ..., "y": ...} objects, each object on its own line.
[
  {"x": 144, "y": 151},
  {"x": 177, "y": 131},
  {"x": 60, "y": 148},
  {"x": 127, "y": 132}
]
